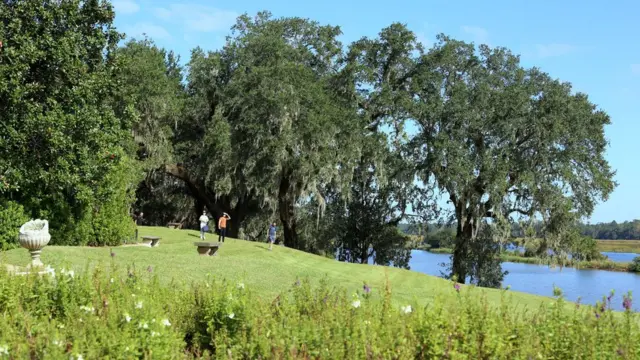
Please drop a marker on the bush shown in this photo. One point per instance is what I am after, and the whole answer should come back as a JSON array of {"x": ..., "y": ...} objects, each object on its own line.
[
  {"x": 12, "y": 216},
  {"x": 103, "y": 315},
  {"x": 635, "y": 264}
]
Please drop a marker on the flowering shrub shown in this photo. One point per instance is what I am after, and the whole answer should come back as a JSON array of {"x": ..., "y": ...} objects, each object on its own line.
[{"x": 63, "y": 315}]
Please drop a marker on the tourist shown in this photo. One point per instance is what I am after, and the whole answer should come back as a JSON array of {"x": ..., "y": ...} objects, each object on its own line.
[
  {"x": 204, "y": 224},
  {"x": 222, "y": 226},
  {"x": 272, "y": 235}
]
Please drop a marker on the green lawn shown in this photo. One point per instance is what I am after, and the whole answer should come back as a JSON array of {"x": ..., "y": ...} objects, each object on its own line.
[{"x": 268, "y": 273}]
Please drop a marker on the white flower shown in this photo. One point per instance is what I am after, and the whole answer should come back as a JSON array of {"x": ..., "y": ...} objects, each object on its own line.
[
  {"x": 232, "y": 315},
  {"x": 111, "y": 280},
  {"x": 166, "y": 322},
  {"x": 60, "y": 326},
  {"x": 407, "y": 309},
  {"x": 127, "y": 318},
  {"x": 356, "y": 303},
  {"x": 4, "y": 350},
  {"x": 57, "y": 343},
  {"x": 49, "y": 270},
  {"x": 139, "y": 305},
  {"x": 153, "y": 333},
  {"x": 78, "y": 357},
  {"x": 88, "y": 309},
  {"x": 241, "y": 286},
  {"x": 69, "y": 273},
  {"x": 143, "y": 325}
]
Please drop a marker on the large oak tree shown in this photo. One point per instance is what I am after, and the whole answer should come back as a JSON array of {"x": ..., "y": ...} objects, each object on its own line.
[{"x": 498, "y": 138}]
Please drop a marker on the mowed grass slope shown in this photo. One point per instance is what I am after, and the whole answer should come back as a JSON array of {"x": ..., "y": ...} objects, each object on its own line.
[{"x": 269, "y": 273}]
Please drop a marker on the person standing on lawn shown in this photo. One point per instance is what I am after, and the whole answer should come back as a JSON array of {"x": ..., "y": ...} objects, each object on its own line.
[
  {"x": 272, "y": 235},
  {"x": 204, "y": 224},
  {"x": 222, "y": 226}
]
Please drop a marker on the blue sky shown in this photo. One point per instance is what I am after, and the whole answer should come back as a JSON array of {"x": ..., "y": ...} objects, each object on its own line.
[{"x": 592, "y": 44}]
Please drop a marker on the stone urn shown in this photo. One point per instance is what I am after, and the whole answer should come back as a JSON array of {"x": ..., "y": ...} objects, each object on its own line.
[{"x": 34, "y": 235}]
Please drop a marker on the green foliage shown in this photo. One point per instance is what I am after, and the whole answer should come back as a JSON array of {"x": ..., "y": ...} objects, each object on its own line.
[
  {"x": 502, "y": 139},
  {"x": 12, "y": 216},
  {"x": 107, "y": 315},
  {"x": 585, "y": 249},
  {"x": 635, "y": 264},
  {"x": 62, "y": 139}
]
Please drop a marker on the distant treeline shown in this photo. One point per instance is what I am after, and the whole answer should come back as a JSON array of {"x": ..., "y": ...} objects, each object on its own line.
[{"x": 628, "y": 230}]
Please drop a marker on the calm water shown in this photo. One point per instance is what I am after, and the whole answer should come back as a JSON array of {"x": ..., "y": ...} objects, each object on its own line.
[
  {"x": 620, "y": 257},
  {"x": 589, "y": 285}
]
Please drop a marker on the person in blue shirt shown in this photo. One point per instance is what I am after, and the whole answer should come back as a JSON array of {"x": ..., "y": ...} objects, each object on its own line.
[{"x": 272, "y": 235}]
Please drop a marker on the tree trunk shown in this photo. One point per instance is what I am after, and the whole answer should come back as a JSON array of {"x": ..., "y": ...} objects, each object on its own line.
[
  {"x": 215, "y": 205},
  {"x": 465, "y": 233},
  {"x": 286, "y": 207}
]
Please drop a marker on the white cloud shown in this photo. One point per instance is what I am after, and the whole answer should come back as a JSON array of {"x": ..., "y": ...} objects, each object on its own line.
[
  {"x": 552, "y": 50},
  {"x": 125, "y": 6},
  {"x": 198, "y": 18},
  {"x": 153, "y": 31},
  {"x": 635, "y": 69},
  {"x": 478, "y": 34}
]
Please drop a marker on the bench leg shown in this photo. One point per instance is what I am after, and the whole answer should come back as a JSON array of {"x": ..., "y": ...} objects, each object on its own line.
[
  {"x": 155, "y": 243},
  {"x": 213, "y": 251}
]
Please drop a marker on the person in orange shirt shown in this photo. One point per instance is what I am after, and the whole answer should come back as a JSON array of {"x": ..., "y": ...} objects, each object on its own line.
[{"x": 222, "y": 225}]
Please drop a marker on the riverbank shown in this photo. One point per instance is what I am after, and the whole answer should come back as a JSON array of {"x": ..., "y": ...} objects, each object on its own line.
[{"x": 593, "y": 265}]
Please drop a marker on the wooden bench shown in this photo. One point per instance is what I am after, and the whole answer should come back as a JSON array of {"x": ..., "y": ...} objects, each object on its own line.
[
  {"x": 207, "y": 248},
  {"x": 152, "y": 241},
  {"x": 174, "y": 225}
]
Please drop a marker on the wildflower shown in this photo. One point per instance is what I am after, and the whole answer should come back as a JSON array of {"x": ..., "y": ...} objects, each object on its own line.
[
  {"x": 166, "y": 322},
  {"x": 127, "y": 317},
  {"x": 60, "y": 326},
  {"x": 49, "y": 270},
  {"x": 597, "y": 315},
  {"x": 88, "y": 309},
  {"x": 78, "y": 357},
  {"x": 240, "y": 286},
  {"x": 356, "y": 303},
  {"x": 626, "y": 302},
  {"x": 143, "y": 325},
  {"x": 111, "y": 280},
  {"x": 153, "y": 333},
  {"x": 57, "y": 343},
  {"x": 407, "y": 309},
  {"x": 4, "y": 350},
  {"x": 231, "y": 316},
  {"x": 139, "y": 305},
  {"x": 69, "y": 273},
  {"x": 457, "y": 287},
  {"x": 366, "y": 289}
]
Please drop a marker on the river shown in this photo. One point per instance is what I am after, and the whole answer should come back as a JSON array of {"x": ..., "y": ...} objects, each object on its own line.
[{"x": 589, "y": 285}]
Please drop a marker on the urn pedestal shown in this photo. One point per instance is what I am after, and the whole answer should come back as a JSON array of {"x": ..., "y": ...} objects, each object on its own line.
[{"x": 34, "y": 235}]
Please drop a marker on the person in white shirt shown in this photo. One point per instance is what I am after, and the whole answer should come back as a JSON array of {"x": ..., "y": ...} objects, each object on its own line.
[{"x": 204, "y": 224}]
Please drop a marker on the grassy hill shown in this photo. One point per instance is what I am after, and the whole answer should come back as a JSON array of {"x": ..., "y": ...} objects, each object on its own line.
[{"x": 267, "y": 272}]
